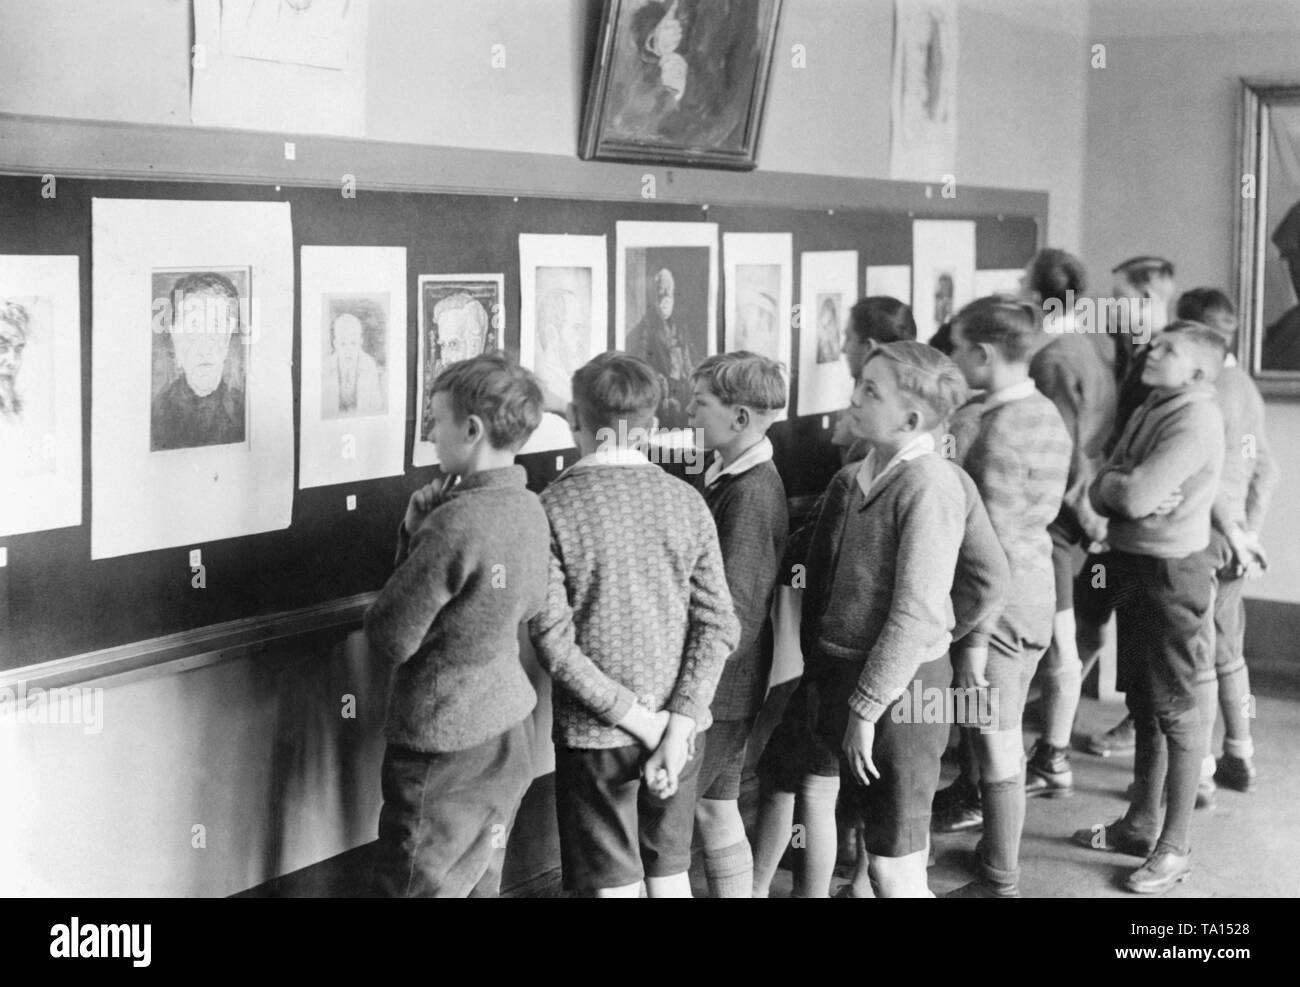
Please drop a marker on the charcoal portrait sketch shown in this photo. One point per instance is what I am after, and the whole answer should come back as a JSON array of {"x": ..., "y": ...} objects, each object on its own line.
[
  {"x": 457, "y": 316},
  {"x": 199, "y": 360},
  {"x": 354, "y": 364},
  {"x": 681, "y": 80}
]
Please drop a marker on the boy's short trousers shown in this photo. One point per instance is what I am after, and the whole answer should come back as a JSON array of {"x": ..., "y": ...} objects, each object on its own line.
[
  {"x": 795, "y": 749},
  {"x": 1009, "y": 674},
  {"x": 1229, "y": 627},
  {"x": 613, "y": 832},
  {"x": 1161, "y": 608},
  {"x": 724, "y": 759},
  {"x": 445, "y": 818},
  {"x": 1067, "y": 557},
  {"x": 894, "y": 808}
]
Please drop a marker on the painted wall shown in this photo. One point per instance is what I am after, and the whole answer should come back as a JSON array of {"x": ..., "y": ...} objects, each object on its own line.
[
  {"x": 1162, "y": 173},
  {"x": 1021, "y": 74}
]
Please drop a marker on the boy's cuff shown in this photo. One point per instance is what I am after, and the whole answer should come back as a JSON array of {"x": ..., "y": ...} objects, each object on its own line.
[
  {"x": 866, "y": 707},
  {"x": 624, "y": 700},
  {"x": 683, "y": 706}
]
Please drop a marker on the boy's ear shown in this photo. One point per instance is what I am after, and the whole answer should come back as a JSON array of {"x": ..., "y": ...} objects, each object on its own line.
[
  {"x": 988, "y": 352},
  {"x": 741, "y": 418},
  {"x": 474, "y": 428},
  {"x": 913, "y": 422}
]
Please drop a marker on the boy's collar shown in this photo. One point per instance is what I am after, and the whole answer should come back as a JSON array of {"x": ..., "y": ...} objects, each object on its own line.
[
  {"x": 1016, "y": 392},
  {"x": 759, "y": 452},
  {"x": 513, "y": 475},
  {"x": 869, "y": 478},
  {"x": 614, "y": 456}
]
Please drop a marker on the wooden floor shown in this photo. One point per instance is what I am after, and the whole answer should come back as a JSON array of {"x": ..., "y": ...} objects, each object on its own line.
[{"x": 1244, "y": 847}]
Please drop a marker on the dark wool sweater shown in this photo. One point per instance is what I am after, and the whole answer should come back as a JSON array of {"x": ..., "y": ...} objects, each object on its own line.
[
  {"x": 750, "y": 511},
  {"x": 449, "y": 616},
  {"x": 637, "y": 605}
]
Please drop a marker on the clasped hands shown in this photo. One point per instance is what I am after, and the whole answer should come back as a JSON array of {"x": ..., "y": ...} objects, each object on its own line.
[{"x": 670, "y": 737}]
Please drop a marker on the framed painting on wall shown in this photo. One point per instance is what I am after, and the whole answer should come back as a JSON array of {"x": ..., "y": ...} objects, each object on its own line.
[
  {"x": 1268, "y": 237},
  {"x": 680, "y": 82}
]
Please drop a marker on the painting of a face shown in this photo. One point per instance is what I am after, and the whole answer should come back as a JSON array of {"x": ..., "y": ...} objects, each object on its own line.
[
  {"x": 354, "y": 372},
  {"x": 199, "y": 360},
  {"x": 13, "y": 340}
]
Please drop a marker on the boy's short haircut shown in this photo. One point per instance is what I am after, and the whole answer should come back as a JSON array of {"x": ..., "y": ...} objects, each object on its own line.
[
  {"x": 881, "y": 319},
  {"x": 1055, "y": 274},
  {"x": 1211, "y": 307},
  {"x": 744, "y": 378},
  {"x": 1210, "y": 346},
  {"x": 930, "y": 381},
  {"x": 1011, "y": 325},
  {"x": 614, "y": 387},
  {"x": 504, "y": 395}
]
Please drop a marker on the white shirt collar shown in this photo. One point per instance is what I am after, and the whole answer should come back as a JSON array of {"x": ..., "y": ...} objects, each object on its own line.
[
  {"x": 759, "y": 452},
  {"x": 1016, "y": 392},
  {"x": 868, "y": 476},
  {"x": 614, "y": 456}
]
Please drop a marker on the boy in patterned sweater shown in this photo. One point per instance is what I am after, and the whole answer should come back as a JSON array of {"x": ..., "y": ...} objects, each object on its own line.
[
  {"x": 1015, "y": 446},
  {"x": 637, "y": 627},
  {"x": 460, "y": 736},
  {"x": 734, "y": 401}
]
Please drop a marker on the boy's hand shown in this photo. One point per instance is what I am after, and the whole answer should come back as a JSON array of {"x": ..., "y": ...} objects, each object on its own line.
[
  {"x": 646, "y": 727},
  {"x": 969, "y": 666},
  {"x": 1169, "y": 503},
  {"x": 663, "y": 768},
  {"x": 1248, "y": 555},
  {"x": 425, "y": 499},
  {"x": 859, "y": 738}
]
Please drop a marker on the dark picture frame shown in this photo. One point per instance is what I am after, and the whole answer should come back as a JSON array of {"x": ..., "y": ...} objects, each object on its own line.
[
  {"x": 680, "y": 82},
  {"x": 1268, "y": 238}
]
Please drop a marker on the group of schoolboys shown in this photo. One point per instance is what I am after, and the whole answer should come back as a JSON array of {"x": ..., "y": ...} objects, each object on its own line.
[{"x": 935, "y": 561}]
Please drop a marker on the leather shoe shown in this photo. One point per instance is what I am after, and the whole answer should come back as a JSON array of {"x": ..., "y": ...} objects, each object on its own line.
[
  {"x": 1161, "y": 872},
  {"x": 1047, "y": 772},
  {"x": 1116, "y": 837},
  {"x": 1119, "y": 739},
  {"x": 1237, "y": 773}
]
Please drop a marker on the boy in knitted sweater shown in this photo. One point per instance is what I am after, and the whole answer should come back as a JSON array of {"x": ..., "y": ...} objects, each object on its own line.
[
  {"x": 637, "y": 627},
  {"x": 877, "y": 611},
  {"x": 1158, "y": 489},
  {"x": 471, "y": 566},
  {"x": 735, "y": 398},
  {"x": 1014, "y": 443}
]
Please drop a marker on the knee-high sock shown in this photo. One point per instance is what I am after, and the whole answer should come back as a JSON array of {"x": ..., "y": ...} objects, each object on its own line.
[
  {"x": 771, "y": 836},
  {"x": 1004, "y": 820},
  {"x": 1207, "y": 702},
  {"x": 1062, "y": 680},
  {"x": 815, "y": 863},
  {"x": 730, "y": 871},
  {"x": 1183, "y": 735},
  {"x": 1150, "y": 765},
  {"x": 1235, "y": 703}
]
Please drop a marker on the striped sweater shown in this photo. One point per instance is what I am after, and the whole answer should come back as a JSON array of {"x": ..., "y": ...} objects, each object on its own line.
[
  {"x": 1015, "y": 446},
  {"x": 637, "y": 605}
]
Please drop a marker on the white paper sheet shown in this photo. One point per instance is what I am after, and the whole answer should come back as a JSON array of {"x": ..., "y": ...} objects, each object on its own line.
[
  {"x": 1001, "y": 281},
  {"x": 923, "y": 135},
  {"x": 40, "y": 393},
  {"x": 892, "y": 280},
  {"x": 563, "y": 314},
  {"x": 161, "y": 478},
  {"x": 318, "y": 32},
  {"x": 828, "y": 288},
  {"x": 460, "y": 316},
  {"x": 353, "y": 408},
  {"x": 669, "y": 267},
  {"x": 253, "y": 75},
  {"x": 943, "y": 272}
]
